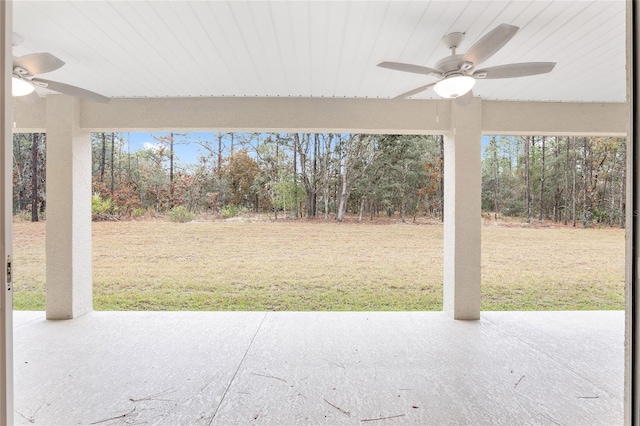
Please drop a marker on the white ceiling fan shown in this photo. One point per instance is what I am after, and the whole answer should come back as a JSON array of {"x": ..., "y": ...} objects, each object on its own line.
[
  {"x": 24, "y": 81},
  {"x": 458, "y": 73}
]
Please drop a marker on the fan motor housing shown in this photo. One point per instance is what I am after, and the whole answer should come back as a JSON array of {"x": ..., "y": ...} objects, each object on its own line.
[{"x": 449, "y": 63}]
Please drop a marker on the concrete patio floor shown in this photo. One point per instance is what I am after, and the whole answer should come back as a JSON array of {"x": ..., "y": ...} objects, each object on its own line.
[{"x": 307, "y": 368}]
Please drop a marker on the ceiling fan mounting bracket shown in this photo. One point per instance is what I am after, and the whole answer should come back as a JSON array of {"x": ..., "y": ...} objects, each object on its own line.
[{"x": 453, "y": 40}]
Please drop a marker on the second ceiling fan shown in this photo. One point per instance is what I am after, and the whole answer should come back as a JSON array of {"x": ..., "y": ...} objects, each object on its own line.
[
  {"x": 24, "y": 81},
  {"x": 457, "y": 73}
]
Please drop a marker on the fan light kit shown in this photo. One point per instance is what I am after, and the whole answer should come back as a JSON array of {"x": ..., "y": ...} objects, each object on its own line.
[
  {"x": 453, "y": 86},
  {"x": 457, "y": 73},
  {"x": 19, "y": 87}
]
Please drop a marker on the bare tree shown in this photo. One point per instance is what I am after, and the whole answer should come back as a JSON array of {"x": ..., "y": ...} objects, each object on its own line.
[
  {"x": 358, "y": 154},
  {"x": 326, "y": 175},
  {"x": 623, "y": 167},
  {"x": 540, "y": 213},
  {"x": 34, "y": 178},
  {"x": 565, "y": 197},
  {"x": 441, "y": 142},
  {"x": 586, "y": 165},
  {"x": 103, "y": 156},
  {"x": 113, "y": 179},
  {"x": 527, "y": 183},
  {"x": 574, "y": 190}
]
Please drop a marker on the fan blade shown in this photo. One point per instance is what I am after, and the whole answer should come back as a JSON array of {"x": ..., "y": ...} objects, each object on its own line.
[
  {"x": 38, "y": 63},
  {"x": 489, "y": 44},
  {"x": 465, "y": 99},
  {"x": 70, "y": 90},
  {"x": 515, "y": 70},
  {"x": 416, "y": 69},
  {"x": 414, "y": 91}
]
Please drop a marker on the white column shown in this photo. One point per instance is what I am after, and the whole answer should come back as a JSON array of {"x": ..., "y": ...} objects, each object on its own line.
[
  {"x": 6, "y": 194},
  {"x": 462, "y": 212},
  {"x": 68, "y": 222}
]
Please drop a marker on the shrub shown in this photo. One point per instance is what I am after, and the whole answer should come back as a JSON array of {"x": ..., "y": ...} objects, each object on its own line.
[
  {"x": 139, "y": 212},
  {"x": 180, "y": 214},
  {"x": 230, "y": 210},
  {"x": 101, "y": 208}
]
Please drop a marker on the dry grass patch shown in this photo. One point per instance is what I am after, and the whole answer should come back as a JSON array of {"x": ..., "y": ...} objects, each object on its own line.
[
  {"x": 552, "y": 268},
  {"x": 157, "y": 265}
]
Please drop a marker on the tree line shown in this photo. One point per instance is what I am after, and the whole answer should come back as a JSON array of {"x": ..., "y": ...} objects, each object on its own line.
[
  {"x": 565, "y": 179},
  {"x": 291, "y": 175}
]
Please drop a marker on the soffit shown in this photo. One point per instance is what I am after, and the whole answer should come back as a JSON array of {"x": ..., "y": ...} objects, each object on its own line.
[{"x": 320, "y": 48}]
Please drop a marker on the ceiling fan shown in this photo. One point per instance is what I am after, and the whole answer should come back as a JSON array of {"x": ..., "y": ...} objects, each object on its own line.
[
  {"x": 457, "y": 73},
  {"x": 24, "y": 81}
]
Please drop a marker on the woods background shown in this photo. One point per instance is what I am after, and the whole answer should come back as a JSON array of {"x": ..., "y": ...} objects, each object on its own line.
[{"x": 576, "y": 181}]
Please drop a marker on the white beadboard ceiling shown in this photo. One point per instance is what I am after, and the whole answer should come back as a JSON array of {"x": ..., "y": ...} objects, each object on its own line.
[{"x": 320, "y": 48}]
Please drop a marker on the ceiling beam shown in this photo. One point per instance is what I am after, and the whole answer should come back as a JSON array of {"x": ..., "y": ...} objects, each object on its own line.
[
  {"x": 333, "y": 115},
  {"x": 554, "y": 118}
]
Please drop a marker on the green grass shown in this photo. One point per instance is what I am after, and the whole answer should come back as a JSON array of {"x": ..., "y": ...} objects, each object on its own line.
[{"x": 299, "y": 266}]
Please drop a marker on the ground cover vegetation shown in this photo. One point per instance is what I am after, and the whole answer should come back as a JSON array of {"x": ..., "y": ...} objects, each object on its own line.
[
  {"x": 261, "y": 264},
  {"x": 293, "y": 222}
]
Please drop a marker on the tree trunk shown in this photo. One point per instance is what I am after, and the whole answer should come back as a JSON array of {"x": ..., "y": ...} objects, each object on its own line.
[
  {"x": 314, "y": 201},
  {"x": 574, "y": 190},
  {"x": 219, "y": 165},
  {"x": 112, "y": 168},
  {"x": 441, "y": 178},
  {"x": 565, "y": 212},
  {"x": 307, "y": 177},
  {"x": 103, "y": 156},
  {"x": 343, "y": 198},
  {"x": 171, "y": 171},
  {"x": 540, "y": 213},
  {"x": 296, "y": 141},
  {"x": 556, "y": 190},
  {"x": 612, "y": 191},
  {"x": 19, "y": 170},
  {"x": 586, "y": 206},
  {"x": 275, "y": 195},
  {"x": 527, "y": 185},
  {"x": 336, "y": 195},
  {"x": 496, "y": 176},
  {"x": 622, "y": 196},
  {"x": 327, "y": 174},
  {"x": 34, "y": 178}
]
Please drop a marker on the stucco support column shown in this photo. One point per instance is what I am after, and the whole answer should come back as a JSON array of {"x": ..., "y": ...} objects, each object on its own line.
[
  {"x": 69, "y": 289},
  {"x": 462, "y": 212},
  {"x": 6, "y": 195}
]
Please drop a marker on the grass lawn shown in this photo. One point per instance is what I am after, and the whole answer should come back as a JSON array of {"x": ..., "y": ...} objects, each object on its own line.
[{"x": 299, "y": 266}]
